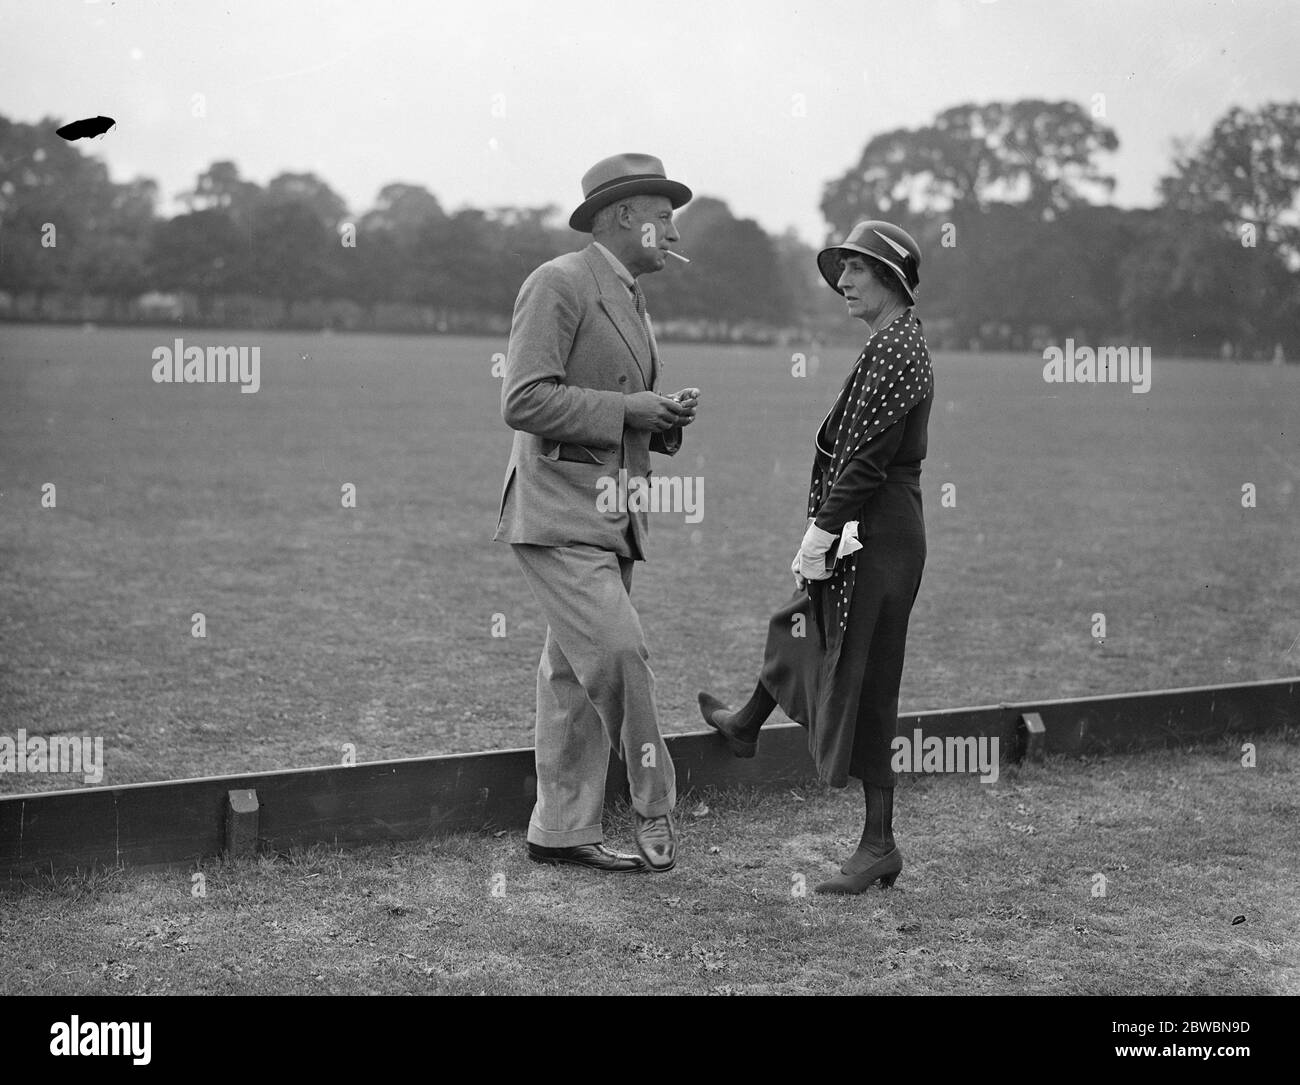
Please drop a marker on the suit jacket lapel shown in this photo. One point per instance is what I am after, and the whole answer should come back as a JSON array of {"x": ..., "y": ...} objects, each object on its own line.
[{"x": 617, "y": 303}]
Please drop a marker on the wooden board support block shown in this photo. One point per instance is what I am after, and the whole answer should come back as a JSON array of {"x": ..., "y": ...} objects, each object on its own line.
[
  {"x": 1031, "y": 738},
  {"x": 241, "y": 823}
]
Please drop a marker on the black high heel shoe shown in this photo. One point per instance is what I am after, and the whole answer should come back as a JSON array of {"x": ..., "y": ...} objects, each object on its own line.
[
  {"x": 719, "y": 717},
  {"x": 884, "y": 870}
]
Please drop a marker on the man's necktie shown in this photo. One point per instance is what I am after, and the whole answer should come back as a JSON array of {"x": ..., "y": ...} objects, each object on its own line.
[{"x": 638, "y": 299}]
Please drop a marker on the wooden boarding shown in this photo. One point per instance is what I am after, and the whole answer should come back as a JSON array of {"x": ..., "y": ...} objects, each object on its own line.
[{"x": 186, "y": 821}]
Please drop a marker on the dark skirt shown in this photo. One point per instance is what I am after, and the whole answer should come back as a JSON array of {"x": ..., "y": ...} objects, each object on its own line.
[{"x": 846, "y": 694}]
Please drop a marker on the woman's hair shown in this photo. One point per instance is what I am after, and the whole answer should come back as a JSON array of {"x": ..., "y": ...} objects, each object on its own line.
[{"x": 887, "y": 278}]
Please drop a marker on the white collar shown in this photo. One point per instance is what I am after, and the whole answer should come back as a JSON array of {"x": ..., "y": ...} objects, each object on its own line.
[{"x": 622, "y": 272}]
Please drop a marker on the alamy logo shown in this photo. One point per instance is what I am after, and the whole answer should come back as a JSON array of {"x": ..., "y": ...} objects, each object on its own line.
[
  {"x": 660, "y": 493},
  {"x": 1105, "y": 365},
  {"x": 59, "y": 753},
  {"x": 964, "y": 753},
  {"x": 78, "y": 1037},
  {"x": 179, "y": 364}
]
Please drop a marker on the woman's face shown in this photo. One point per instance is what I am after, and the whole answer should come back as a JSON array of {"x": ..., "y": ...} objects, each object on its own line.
[{"x": 866, "y": 296}]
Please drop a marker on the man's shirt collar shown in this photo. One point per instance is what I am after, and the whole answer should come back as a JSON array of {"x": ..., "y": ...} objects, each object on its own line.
[{"x": 624, "y": 275}]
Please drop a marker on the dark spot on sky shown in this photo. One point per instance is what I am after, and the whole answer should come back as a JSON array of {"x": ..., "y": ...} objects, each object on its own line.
[{"x": 85, "y": 129}]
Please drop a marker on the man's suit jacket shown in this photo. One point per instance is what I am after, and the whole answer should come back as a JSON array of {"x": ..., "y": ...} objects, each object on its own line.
[{"x": 577, "y": 348}]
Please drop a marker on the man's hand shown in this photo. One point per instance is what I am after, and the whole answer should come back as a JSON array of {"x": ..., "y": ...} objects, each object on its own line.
[
  {"x": 653, "y": 412},
  {"x": 690, "y": 399}
]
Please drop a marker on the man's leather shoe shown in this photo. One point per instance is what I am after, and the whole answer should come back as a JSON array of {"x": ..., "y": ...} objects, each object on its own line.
[
  {"x": 595, "y": 856},
  {"x": 656, "y": 838}
]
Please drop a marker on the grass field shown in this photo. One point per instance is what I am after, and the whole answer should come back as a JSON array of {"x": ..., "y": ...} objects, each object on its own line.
[
  {"x": 374, "y": 625},
  {"x": 1000, "y": 894}
]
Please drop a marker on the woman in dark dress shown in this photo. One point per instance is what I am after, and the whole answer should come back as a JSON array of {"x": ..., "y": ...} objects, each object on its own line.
[{"x": 834, "y": 655}]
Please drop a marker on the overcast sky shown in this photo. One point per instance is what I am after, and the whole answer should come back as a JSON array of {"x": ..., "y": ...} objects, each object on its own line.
[{"x": 505, "y": 102}]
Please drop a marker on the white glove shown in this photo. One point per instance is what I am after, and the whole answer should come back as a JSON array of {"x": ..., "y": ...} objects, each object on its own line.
[
  {"x": 849, "y": 543},
  {"x": 810, "y": 561}
]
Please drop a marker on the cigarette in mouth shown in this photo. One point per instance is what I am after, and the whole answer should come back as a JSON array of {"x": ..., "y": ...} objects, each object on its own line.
[{"x": 678, "y": 255}]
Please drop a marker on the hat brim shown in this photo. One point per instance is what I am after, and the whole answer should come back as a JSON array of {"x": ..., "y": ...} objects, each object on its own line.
[
  {"x": 830, "y": 261},
  {"x": 676, "y": 192}
]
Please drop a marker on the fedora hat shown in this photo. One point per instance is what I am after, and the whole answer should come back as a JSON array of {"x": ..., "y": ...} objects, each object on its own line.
[
  {"x": 882, "y": 241},
  {"x": 620, "y": 176}
]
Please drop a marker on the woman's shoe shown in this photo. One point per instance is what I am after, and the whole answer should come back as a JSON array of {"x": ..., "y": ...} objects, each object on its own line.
[
  {"x": 865, "y": 873},
  {"x": 720, "y": 718}
]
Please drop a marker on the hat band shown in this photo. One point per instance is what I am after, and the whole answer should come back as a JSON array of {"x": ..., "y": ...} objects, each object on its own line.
[
  {"x": 895, "y": 268},
  {"x": 623, "y": 180}
]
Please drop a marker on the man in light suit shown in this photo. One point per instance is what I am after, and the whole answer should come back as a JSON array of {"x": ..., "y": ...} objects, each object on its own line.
[{"x": 582, "y": 368}]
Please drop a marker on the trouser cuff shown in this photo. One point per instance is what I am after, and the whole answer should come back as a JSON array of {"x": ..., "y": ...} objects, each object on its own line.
[
  {"x": 657, "y": 808},
  {"x": 564, "y": 838}
]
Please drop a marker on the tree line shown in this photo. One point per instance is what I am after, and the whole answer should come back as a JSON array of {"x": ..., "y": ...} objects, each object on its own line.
[{"x": 1008, "y": 201}]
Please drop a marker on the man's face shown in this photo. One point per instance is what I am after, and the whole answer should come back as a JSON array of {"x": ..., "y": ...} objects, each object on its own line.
[{"x": 652, "y": 227}]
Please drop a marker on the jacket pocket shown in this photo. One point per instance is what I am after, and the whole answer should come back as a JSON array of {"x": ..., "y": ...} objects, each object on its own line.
[
  {"x": 579, "y": 454},
  {"x": 557, "y": 452}
]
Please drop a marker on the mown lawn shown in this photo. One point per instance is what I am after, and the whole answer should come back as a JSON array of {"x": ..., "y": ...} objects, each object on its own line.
[
  {"x": 1000, "y": 895},
  {"x": 375, "y": 626}
]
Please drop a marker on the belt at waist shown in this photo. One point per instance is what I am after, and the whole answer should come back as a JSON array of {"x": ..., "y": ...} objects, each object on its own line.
[{"x": 903, "y": 472}]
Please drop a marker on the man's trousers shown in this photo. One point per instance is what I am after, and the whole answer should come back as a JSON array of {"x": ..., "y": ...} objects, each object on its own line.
[{"x": 595, "y": 692}]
